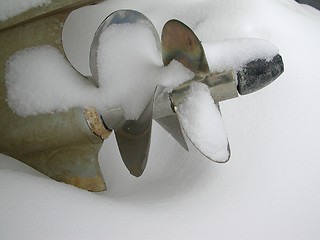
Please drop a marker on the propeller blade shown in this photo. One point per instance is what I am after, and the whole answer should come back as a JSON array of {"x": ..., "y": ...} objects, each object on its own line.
[
  {"x": 134, "y": 139},
  {"x": 172, "y": 125},
  {"x": 164, "y": 115},
  {"x": 118, "y": 17},
  {"x": 133, "y": 136},
  {"x": 180, "y": 43},
  {"x": 201, "y": 121}
]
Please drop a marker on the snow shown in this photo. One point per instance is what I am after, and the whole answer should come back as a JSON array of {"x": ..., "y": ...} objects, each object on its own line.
[
  {"x": 202, "y": 122},
  {"x": 224, "y": 34},
  {"x": 129, "y": 75},
  {"x": 268, "y": 190},
  {"x": 9, "y": 9},
  {"x": 234, "y": 53},
  {"x": 40, "y": 80}
]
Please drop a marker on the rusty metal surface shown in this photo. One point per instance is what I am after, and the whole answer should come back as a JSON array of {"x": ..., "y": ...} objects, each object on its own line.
[
  {"x": 96, "y": 123},
  {"x": 60, "y": 145}
]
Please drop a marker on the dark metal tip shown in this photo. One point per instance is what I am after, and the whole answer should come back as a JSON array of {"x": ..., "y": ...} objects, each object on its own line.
[{"x": 258, "y": 74}]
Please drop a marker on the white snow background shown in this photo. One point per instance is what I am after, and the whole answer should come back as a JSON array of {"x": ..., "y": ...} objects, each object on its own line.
[{"x": 270, "y": 188}]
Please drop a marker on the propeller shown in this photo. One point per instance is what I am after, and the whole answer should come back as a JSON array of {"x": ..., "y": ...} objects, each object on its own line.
[{"x": 170, "y": 107}]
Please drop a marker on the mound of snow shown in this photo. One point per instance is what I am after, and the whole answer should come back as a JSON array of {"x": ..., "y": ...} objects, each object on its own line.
[{"x": 268, "y": 190}]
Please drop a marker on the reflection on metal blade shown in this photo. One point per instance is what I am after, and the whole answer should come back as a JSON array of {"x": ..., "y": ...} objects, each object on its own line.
[
  {"x": 180, "y": 43},
  {"x": 172, "y": 126},
  {"x": 133, "y": 136},
  {"x": 134, "y": 141},
  {"x": 118, "y": 17},
  {"x": 229, "y": 150},
  {"x": 165, "y": 116}
]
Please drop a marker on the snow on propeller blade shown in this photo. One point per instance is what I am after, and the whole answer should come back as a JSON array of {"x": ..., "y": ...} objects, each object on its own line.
[
  {"x": 171, "y": 108},
  {"x": 133, "y": 136},
  {"x": 179, "y": 42}
]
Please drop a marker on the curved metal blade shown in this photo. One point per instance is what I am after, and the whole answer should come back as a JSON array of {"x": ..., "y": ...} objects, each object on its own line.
[
  {"x": 180, "y": 43},
  {"x": 178, "y": 97},
  {"x": 197, "y": 121},
  {"x": 172, "y": 126},
  {"x": 134, "y": 139},
  {"x": 136, "y": 134},
  {"x": 133, "y": 136},
  {"x": 164, "y": 115},
  {"x": 118, "y": 17}
]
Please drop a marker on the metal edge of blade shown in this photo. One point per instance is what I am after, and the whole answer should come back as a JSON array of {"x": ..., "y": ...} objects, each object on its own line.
[
  {"x": 122, "y": 16},
  {"x": 165, "y": 116},
  {"x": 199, "y": 149},
  {"x": 179, "y": 42}
]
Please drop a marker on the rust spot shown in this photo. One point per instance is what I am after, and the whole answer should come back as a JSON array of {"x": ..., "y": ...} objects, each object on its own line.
[{"x": 95, "y": 123}]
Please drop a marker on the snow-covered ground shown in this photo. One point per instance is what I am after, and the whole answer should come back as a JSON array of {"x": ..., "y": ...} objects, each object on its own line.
[{"x": 270, "y": 188}]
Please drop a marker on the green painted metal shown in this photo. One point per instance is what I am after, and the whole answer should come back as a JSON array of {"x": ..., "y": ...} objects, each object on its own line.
[{"x": 60, "y": 145}]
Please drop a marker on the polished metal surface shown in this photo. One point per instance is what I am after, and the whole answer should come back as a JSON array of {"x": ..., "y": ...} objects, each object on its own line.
[
  {"x": 118, "y": 17},
  {"x": 133, "y": 136},
  {"x": 165, "y": 116},
  {"x": 222, "y": 87},
  {"x": 134, "y": 139},
  {"x": 179, "y": 42}
]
